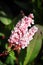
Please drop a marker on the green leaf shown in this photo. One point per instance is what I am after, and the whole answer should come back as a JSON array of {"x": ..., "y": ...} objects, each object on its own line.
[
  {"x": 1, "y": 34},
  {"x": 29, "y": 54},
  {"x": 12, "y": 54},
  {"x": 22, "y": 56},
  {"x": 6, "y": 46},
  {"x": 10, "y": 59},
  {"x": 33, "y": 49},
  {"x": 2, "y": 63},
  {"x": 2, "y": 13},
  {"x": 5, "y": 20},
  {"x": 39, "y": 4},
  {"x": 41, "y": 29},
  {"x": 33, "y": 1},
  {"x": 10, "y": 27},
  {"x": 42, "y": 58}
]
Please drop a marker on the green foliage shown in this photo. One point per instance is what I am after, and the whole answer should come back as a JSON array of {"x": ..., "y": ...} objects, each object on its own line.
[
  {"x": 6, "y": 46},
  {"x": 1, "y": 63},
  {"x": 22, "y": 56},
  {"x": 10, "y": 59},
  {"x": 1, "y": 34},
  {"x": 41, "y": 30},
  {"x": 5, "y": 20}
]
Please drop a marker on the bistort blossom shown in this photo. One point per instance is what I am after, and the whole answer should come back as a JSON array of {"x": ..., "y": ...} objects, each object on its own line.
[{"x": 21, "y": 36}]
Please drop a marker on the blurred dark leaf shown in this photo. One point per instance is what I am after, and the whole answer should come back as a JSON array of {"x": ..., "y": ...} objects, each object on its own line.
[
  {"x": 2, "y": 63},
  {"x": 22, "y": 56},
  {"x": 21, "y": 4},
  {"x": 39, "y": 3},
  {"x": 2, "y": 13},
  {"x": 42, "y": 58},
  {"x": 33, "y": 1}
]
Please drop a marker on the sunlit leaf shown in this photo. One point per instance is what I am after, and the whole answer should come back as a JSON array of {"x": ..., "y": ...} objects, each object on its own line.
[
  {"x": 12, "y": 54},
  {"x": 5, "y": 20},
  {"x": 1, "y": 34}
]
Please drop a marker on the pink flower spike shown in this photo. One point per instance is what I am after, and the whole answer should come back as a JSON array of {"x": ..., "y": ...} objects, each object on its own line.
[{"x": 21, "y": 36}]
